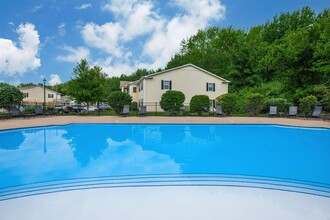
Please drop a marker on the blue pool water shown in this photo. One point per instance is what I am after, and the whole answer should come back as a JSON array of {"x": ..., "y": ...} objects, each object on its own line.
[{"x": 41, "y": 156}]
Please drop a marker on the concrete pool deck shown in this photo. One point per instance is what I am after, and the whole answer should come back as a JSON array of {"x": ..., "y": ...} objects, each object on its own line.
[
  {"x": 62, "y": 120},
  {"x": 166, "y": 202}
]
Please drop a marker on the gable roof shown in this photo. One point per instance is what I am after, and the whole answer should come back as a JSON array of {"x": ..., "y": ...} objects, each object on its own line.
[{"x": 180, "y": 67}]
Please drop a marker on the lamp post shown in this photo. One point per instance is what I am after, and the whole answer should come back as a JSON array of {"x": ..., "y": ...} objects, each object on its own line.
[
  {"x": 44, "y": 93},
  {"x": 56, "y": 95}
]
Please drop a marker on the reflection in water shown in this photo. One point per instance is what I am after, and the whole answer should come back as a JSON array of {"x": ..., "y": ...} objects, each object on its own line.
[
  {"x": 11, "y": 140},
  {"x": 203, "y": 132},
  {"x": 85, "y": 143},
  {"x": 45, "y": 142},
  {"x": 76, "y": 151},
  {"x": 172, "y": 134}
]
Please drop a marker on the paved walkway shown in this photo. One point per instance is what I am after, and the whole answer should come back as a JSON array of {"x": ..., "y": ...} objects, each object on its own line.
[{"x": 61, "y": 120}]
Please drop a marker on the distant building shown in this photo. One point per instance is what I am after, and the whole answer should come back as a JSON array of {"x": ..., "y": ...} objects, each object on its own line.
[
  {"x": 35, "y": 94},
  {"x": 189, "y": 79}
]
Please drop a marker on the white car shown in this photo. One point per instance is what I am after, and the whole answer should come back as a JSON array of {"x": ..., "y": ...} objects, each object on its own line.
[{"x": 91, "y": 108}]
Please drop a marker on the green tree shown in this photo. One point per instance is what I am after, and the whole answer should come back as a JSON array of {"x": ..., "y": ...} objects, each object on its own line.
[
  {"x": 281, "y": 103},
  {"x": 228, "y": 103},
  {"x": 291, "y": 50},
  {"x": 254, "y": 103},
  {"x": 26, "y": 84},
  {"x": 118, "y": 99},
  {"x": 9, "y": 95},
  {"x": 199, "y": 104},
  {"x": 307, "y": 104},
  {"x": 88, "y": 84},
  {"x": 172, "y": 101}
]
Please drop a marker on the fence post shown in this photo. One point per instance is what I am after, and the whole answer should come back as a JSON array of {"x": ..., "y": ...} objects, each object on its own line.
[{"x": 156, "y": 109}]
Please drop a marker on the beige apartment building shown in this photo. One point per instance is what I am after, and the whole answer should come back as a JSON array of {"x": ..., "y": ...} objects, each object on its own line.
[
  {"x": 35, "y": 94},
  {"x": 189, "y": 79}
]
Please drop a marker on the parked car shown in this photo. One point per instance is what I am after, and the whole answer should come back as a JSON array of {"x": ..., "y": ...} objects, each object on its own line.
[
  {"x": 91, "y": 108},
  {"x": 103, "y": 106},
  {"x": 3, "y": 110},
  {"x": 64, "y": 109},
  {"x": 77, "y": 108},
  {"x": 58, "y": 107}
]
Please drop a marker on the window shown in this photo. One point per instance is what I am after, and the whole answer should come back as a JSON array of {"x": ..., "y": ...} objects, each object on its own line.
[
  {"x": 50, "y": 96},
  {"x": 210, "y": 87},
  {"x": 25, "y": 94},
  {"x": 134, "y": 89},
  {"x": 166, "y": 84},
  {"x": 141, "y": 86}
]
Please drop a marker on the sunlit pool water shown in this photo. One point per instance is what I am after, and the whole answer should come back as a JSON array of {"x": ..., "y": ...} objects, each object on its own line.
[{"x": 78, "y": 156}]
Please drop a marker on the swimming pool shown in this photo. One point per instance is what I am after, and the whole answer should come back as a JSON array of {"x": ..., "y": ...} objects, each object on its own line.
[{"x": 83, "y": 156}]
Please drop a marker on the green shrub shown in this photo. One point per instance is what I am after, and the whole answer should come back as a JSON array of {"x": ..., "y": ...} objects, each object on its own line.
[
  {"x": 228, "y": 103},
  {"x": 117, "y": 100},
  {"x": 307, "y": 104},
  {"x": 172, "y": 101},
  {"x": 199, "y": 103},
  {"x": 254, "y": 103},
  {"x": 134, "y": 106},
  {"x": 9, "y": 95},
  {"x": 281, "y": 103}
]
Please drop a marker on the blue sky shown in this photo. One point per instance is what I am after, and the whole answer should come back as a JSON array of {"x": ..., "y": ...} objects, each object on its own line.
[{"x": 45, "y": 39}]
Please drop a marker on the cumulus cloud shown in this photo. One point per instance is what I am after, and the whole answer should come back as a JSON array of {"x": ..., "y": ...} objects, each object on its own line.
[
  {"x": 141, "y": 21},
  {"x": 74, "y": 55},
  {"x": 84, "y": 6},
  {"x": 54, "y": 79},
  {"x": 18, "y": 59},
  {"x": 120, "y": 8},
  {"x": 105, "y": 37},
  {"x": 165, "y": 41},
  {"x": 202, "y": 10}
]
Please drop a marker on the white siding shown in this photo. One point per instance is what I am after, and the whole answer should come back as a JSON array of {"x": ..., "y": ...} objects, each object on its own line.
[
  {"x": 188, "y": 80},
  {"x": 36, "y": 94}
]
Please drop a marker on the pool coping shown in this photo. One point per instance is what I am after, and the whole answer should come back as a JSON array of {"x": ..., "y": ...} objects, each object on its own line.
[{"x": 65, "y": 120}]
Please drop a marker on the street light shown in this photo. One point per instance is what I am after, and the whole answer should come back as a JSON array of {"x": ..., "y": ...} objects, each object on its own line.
[
  {"x": 44, "y": 93},
  {"x": 56, "y": 94}
]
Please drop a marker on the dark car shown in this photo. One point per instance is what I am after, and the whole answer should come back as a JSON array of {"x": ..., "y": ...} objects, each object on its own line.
[
  {"x": 77, "y": 108},
  {"x": 64, "y": 109}
]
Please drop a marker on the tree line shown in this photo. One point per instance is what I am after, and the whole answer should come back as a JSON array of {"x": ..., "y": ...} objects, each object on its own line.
[{"x": 287, "y": 58}]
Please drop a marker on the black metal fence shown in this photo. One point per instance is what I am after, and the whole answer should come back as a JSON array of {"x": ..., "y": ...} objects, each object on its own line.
[{"x": 154, "y": 108}]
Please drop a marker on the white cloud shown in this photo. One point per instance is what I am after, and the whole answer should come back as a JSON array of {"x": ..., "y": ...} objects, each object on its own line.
[
  {"x": 105, "y": 37},
  {"x": 54, "y": 79},
  {"x": 84, "y": 6},
  {"x": 11, "y": 23},
  {"x": 140, "y": 21},
  {"x": 36, "y": 8},
  {"x": 203, "y": 9},
  {"x": 18, "y": 59},
  {"x": 74, "y": 54},
  {"x": 165, "y": 41},
  {"x": 120, "y": 8},
  {"x": 116, "y": 69},
  {"x": 61, "y": 29}
]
